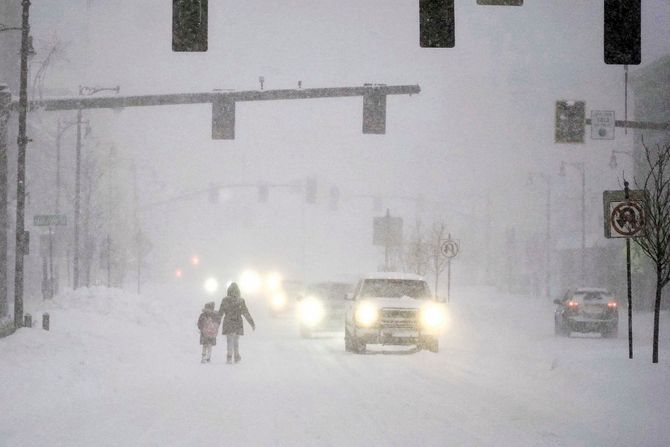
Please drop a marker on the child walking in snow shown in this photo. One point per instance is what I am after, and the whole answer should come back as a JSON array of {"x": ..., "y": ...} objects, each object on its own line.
[{"x": 208, "y": 323}]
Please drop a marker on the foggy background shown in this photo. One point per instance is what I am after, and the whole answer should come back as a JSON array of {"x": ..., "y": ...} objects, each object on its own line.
[{"x": 460, "y": 152}]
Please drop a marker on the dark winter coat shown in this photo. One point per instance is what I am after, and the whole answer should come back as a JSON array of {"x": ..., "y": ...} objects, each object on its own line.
[
  {"x": 207, "y": 313},
  {"x": 231, "y": 311}
]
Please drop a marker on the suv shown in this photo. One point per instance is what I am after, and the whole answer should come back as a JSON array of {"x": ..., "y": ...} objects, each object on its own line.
[
  {"x": 587, "y": 310},
  {"x": 322, "y": 307},
  {"x": 392, "y": 309}
]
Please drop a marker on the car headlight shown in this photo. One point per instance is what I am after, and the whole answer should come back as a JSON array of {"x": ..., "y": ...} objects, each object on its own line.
[
  {"x": 273, "y": 281},
  {"x": 433, "y": 317},
  {"x": 367, "y": 314},
  {"x": 278, "y": 301},
  {"x": 211, "y": 285},
  {"x": 311, "y": 311}
]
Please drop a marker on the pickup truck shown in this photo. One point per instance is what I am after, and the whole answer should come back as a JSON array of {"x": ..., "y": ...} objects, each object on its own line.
[{"x": 392, "y": 309}]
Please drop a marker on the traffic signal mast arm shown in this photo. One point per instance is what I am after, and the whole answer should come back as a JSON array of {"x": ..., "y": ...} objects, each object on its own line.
[
  {"x": 637, "y": 124},
  {"x": 115, "y": 102}
]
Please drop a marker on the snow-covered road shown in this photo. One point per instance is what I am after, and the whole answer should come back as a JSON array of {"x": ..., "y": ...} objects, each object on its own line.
[{"x": 118, "y": 369}]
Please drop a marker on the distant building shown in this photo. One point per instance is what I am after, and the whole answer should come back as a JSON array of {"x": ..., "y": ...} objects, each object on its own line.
[{"x": 10, "y": 44}]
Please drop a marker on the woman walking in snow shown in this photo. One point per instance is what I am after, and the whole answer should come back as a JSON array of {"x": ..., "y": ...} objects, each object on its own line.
[
  {"x": 208, "y": 323},
  {"x": 231, "y": 311}
]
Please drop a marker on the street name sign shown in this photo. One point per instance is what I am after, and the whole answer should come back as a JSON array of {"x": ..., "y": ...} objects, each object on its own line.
[{"x": 47, "y": 220}]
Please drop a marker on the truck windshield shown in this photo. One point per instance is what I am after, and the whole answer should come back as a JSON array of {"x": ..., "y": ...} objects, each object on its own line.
[{"x": 395, "y": 288}]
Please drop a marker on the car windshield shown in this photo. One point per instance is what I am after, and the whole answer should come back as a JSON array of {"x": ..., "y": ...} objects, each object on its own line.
[
  {"x": 394, "y": 288},
  {"x": 591, "y": 297},
  {"x": 330, "y": 291}
]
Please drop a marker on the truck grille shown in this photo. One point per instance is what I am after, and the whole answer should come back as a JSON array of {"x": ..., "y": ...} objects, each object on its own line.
[{"x": 399, "y": 318}]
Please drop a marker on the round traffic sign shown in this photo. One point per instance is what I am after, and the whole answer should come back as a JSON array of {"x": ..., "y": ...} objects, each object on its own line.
[
  {"x": 450, "y": 248},
  {"x": 627, "y": 218}
]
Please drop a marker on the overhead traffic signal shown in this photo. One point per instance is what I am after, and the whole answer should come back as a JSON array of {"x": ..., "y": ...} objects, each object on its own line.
[
  {"x": 436, "y": 24},
  {"x": 570, "y": 121},
  {"x": 189, "y": 25},
  {"x": 622, "y": 25},
  {"x": 374, "y": 112},
  {"x": 223, "y": 119}
]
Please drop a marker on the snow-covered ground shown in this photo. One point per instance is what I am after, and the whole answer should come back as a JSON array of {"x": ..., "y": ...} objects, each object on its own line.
[{"x": 121, "y": 369}]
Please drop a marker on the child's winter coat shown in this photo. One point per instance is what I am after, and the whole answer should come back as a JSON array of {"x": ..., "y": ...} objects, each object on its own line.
[{"x": 208, "y": 323}]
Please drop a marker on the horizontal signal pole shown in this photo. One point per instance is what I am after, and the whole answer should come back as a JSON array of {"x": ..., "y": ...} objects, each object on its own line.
[
  {"x": 115, "y": 102},
  {"x": 637, "y": 124},
  {"x": 223, "y": 103}
]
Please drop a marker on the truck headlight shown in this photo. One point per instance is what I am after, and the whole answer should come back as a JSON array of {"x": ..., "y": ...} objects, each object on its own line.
[
  {"x": 311, "y": 311},
  {"x": 433, "y": 316},
  {"x": 367, "y": 314},
  {"x": 278, "y": 301}
]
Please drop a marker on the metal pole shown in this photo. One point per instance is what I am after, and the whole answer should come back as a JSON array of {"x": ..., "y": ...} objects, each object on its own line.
[
  {"x": 51, "y": 263},
  {"x": 77, "y": 199},
  {"x": 5, "y": 100},
  {"x": 22, "y": 141},
  {"x": 548, "y": 240},
  {"x": 56, "y": 279},
  {"x": 448, "y": 279},
  {"x": 630, "y": 295},
  {"x": 583, "y": 273}
]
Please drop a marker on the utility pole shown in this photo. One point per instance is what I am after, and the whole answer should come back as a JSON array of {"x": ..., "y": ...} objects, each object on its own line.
[
  {"x": 22, "y": 141},
  {"x": 77, "y": 204},
  {"x": 5, "y": 100}
]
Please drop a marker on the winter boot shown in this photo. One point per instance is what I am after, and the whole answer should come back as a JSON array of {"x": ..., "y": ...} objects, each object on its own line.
[
  {"x": 229, "y": 360},
  {"x": 237, "y": 358},
  {"x": 204, "y": 360}
]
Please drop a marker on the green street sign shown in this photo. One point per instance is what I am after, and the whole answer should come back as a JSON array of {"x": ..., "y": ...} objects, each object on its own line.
[{"x": 47, "y": 220}]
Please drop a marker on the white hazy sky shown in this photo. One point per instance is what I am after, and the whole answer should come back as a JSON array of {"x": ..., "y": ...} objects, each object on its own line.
[{"x": 483, "y": 119}]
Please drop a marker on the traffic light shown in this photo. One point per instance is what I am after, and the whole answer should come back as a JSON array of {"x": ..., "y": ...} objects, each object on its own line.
[
  {"x": 374, "y": 112},
  {"x": 622, "y": 39},
  {"x": 570, "y": 121},
  {"x": 334, "y": 198},
  {"x": 263, "y": 193},
  {"x": 189, "y": 25},
  {"x": 436, "y": 24},
  {"x": 310, "y": 190},
  {"x": 223, "y": 119},
  {"x": 213, "y": 194}
]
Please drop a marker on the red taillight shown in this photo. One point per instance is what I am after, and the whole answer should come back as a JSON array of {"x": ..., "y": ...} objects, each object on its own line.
[
  {"x": 612, "y": 304},
  {"x": 573, "y": 304}
]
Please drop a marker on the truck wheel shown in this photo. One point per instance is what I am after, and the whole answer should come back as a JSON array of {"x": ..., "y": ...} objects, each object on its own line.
[
  {"x": 357, "y": 345},
  {"x": 348, "y": 346},
  {"x": 559, "y": 330}
]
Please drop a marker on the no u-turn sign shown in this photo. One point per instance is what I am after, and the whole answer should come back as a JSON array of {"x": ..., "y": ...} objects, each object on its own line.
[{"x": 624, "y": 217}]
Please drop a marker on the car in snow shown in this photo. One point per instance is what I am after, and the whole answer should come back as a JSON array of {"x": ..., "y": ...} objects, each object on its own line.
[
  {"x": 322, "y": 307},
  {"x": 587, "y": 309},
  {"x": 392, "y": 309}
]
